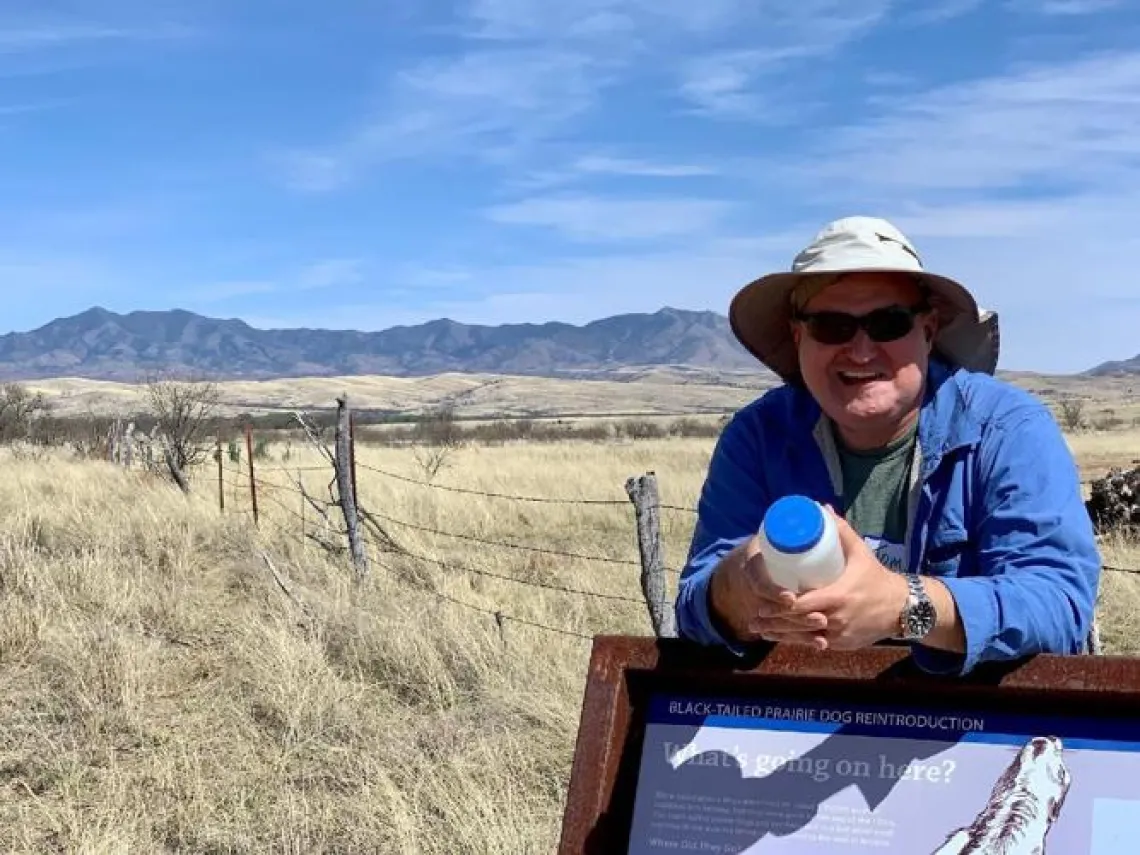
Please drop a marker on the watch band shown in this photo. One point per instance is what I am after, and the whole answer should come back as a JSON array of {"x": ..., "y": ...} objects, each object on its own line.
[{"x": 917, "y": 617}]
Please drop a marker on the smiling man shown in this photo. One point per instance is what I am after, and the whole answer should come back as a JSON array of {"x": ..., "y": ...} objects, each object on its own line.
[{"x": 958, "y": 501}]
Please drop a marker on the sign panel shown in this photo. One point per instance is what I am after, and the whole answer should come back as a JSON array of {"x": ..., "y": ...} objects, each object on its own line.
[
  {"x": 682, "y": 749},
  {"x": 791, "y": 777}
]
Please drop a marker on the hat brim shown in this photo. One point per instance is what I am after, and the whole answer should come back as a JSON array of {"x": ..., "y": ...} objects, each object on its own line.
[{"x": 760, "y": 317}]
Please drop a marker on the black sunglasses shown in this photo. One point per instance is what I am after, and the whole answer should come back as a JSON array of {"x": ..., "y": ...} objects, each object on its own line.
[{"x": 889, "y": 323}]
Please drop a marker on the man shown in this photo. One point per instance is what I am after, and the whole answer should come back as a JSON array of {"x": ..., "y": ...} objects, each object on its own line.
[{"x": 957, "y": 500}]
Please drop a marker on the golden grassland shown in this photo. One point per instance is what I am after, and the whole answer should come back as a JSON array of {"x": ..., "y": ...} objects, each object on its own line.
[
  {"x": 161, "y": 693},
  {"x": 650, "y": 391}
]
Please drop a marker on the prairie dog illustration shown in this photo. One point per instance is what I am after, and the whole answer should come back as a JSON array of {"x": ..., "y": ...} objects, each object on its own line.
[{"x": 1023, "y": 805}]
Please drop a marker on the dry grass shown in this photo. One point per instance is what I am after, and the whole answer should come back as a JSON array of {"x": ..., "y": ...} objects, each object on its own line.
[
  {"x": 650, "y": 391},
  {"x": 161, "y": 694},
  {"x": 472, "y": 395}
]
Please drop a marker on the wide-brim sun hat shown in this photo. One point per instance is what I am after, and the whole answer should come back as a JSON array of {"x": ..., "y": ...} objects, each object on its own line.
[{"x": 760, "y": 314}]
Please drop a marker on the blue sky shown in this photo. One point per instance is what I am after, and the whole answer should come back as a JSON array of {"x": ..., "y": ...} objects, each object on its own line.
[{"x": 365, "y": 163}]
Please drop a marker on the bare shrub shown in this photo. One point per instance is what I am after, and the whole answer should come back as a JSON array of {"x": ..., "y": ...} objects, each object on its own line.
[
  {"x": 435, "y": 438},
  {"x": 1072, "y": 411},
  {"x": 185, "y": 414},
  {"x": 21, "y": 412}
]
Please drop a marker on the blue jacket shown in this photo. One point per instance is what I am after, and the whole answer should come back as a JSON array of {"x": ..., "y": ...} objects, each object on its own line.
[{"x": 995, "y": 512}]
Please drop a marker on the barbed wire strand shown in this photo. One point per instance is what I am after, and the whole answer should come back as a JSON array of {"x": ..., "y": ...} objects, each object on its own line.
[
  {"x": 550, "y": 500},
  {"x": 498, "y": 614},
  {"x": 549, "y": 586},
  {"x": 520, "y": 546}
]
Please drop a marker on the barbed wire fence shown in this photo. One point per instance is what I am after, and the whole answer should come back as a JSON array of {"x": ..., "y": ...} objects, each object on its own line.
[{"x": 341, "y": 525}]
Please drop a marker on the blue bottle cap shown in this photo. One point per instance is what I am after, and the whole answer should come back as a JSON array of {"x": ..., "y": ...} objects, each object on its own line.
[{"x": 794, "y": 524}]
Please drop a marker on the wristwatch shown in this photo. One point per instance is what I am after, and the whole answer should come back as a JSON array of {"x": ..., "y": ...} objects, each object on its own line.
[{"x": 917, "y": 617}]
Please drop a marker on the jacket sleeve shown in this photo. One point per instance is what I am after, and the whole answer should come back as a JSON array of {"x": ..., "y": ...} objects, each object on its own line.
[
  {"x": 732, "y": 504},
  {"x": 1038, "y": 563}
]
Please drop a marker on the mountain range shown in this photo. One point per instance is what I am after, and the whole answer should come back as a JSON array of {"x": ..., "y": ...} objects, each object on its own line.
[
  {"x": 100, "y": 344},
  {"x": 104, "y": 345}
]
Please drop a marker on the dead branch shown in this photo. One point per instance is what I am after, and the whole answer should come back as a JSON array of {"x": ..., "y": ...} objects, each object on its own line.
[
  {"x": 314, "y": 438},
  {"x": 282, "y": 583},
  {"x": 323, "y": 511},
  {"x": 386, "y": 540}
]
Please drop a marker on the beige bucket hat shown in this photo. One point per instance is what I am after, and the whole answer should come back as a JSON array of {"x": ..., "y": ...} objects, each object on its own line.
[{"x": 760, "y": 313}]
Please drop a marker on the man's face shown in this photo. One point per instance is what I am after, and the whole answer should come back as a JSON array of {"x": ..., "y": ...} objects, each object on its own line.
[{"x": 871, "y": 389}]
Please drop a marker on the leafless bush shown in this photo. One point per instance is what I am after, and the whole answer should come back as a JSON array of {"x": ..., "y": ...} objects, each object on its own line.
[
  {"x": 185, "y": 412},
  {"x": 434, "y": 438},
  {"x": 1072, "y": 412},
  {"x": 21, "y": 412}
]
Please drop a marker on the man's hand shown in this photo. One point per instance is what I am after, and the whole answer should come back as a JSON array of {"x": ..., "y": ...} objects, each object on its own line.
[
  {"x": 753, "y": 607},
  {"x": 863, "y": 605}
]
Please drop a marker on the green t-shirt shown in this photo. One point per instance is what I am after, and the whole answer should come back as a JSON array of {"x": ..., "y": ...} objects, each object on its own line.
[{"x": 876, "y": 485}]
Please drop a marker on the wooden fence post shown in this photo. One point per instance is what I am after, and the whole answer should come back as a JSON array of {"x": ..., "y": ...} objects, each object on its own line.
[
  {"x": 252, "y": 479},
  {"x": 114, "y": 438},
  {"x": 129, "y": 446},
  {"x": 642, "y": 491},
  {"x": 344, "y": 483},
  {"x": 352, "y": 449},
  {"x": 221, "y": 479},
  {"x": 1093, "y": 643}
]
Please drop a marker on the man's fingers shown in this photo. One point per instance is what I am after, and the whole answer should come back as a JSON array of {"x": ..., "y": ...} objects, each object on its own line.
[
  {"x": 762, "y": 586},
  {"x": 826, "y": 600},
  {"x": 782, "y": 623}
]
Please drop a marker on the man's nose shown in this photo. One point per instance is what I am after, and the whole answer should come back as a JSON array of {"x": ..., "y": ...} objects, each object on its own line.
[{"x": 862, "y": 348}]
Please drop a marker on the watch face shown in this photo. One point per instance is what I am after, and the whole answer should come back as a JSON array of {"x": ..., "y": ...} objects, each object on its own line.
[{"x": 920, "y": 618}]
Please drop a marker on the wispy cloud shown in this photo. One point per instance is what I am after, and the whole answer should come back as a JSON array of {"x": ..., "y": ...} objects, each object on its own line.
[
  {"x": 332, "y": 273},
  {"x": 530, "y": 70},
  {"x": 1048, "y": 129},
  {"x": 328, "y": 273},
  {"x": 1066, "y": 7},
  {"x": 724, "y": 83},
  {"x": 933, "y": 12},
  {"x": 40, "y": 33},
  {"x": 23, "y": 109},
  {"x": 593, "y": 219},
  {"x": 220, "y": 292},
  {"x": 481, "y": 104},
  {"x": 38, "y": 38},
  {"x": 600, "y": 165},
  {"x": 607, "y": 167}
]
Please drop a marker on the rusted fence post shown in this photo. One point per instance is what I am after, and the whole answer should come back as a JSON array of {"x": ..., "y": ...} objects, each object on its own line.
[
  {"x": 345, "y": 487},
  {"x": 252, "y": 479},
  {"x": 642, "y": 491}
]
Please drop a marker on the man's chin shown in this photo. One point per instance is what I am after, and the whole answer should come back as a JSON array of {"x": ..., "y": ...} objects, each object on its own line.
[{"x": 871, "y": 395}]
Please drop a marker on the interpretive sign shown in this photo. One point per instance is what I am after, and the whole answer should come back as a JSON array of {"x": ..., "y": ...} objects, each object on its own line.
[{"x": 682, "y": 749}]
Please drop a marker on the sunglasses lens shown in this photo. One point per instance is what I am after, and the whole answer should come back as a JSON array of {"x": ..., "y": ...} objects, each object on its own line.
[
  {"x": 832, "y": 327},
  {"x": 889, "y": 324}
]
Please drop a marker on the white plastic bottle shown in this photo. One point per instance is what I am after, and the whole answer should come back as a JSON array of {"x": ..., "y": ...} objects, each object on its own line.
[{"x": 800, "y": 544}]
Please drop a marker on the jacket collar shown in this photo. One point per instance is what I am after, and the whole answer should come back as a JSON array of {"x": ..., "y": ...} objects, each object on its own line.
[{"x": 945, "y": 423}]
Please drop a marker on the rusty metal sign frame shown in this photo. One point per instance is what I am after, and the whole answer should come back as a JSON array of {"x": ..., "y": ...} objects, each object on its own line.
[{"x": 624, "y": 671}]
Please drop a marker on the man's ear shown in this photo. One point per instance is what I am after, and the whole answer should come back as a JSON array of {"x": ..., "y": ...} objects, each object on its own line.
[
  {"x": 929, "y": 327},
  {"x": 795, "y": 328}
]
